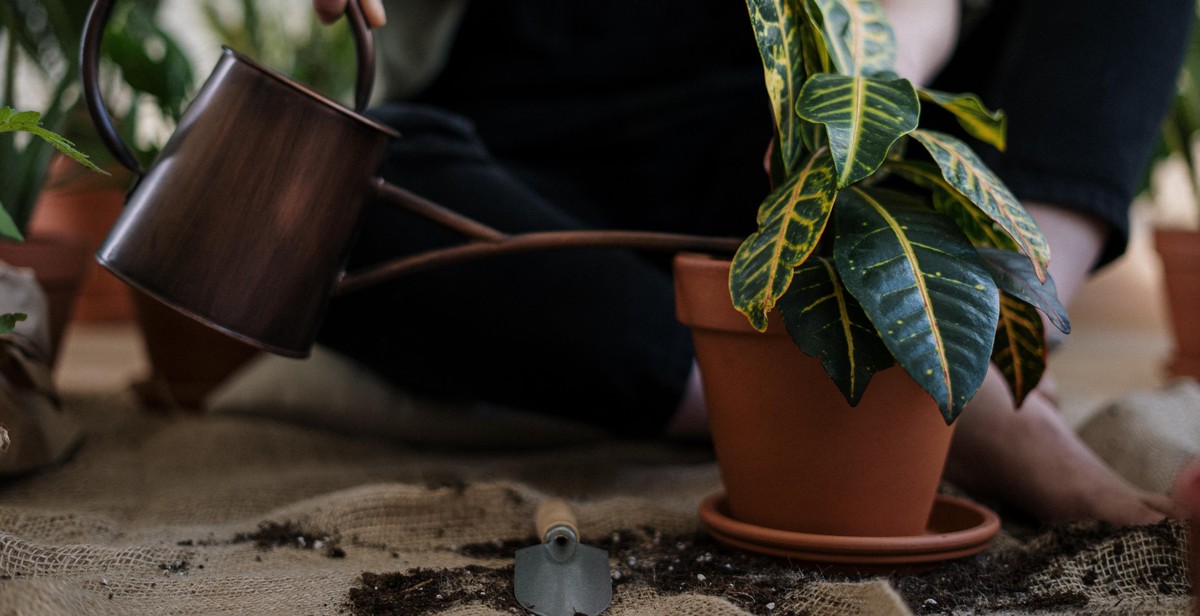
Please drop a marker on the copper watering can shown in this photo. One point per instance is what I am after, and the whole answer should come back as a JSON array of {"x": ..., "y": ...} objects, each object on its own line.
[{"x": 246, "y": 219}]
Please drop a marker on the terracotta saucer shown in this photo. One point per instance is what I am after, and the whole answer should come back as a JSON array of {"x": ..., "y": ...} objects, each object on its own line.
[{"x": 957, "y": 528}]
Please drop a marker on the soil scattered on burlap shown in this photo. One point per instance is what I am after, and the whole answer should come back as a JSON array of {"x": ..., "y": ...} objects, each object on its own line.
[
  {"x": 289, "y": 534},
  {"x": 696, "y": 564}
]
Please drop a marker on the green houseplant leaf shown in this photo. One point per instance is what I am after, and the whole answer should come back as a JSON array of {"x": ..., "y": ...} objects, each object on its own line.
[
  {"x": 979, "y": 227},
  {"x": 863, "y": 118},
  {"x": 923, "y": 286},
  {"x": 826, "y": 322},
  {"x": 30, "y": 122},
  {"x": 8, "y": 227},
  {"x": 1020, "y": 349},
  {"x": 858, "y": 38},
  {"x": 990, "y": 127},
  {"x": 779, "y": 29},
  {"x": 9, "y": 320},
  {"x": 963, "y": 170},
  {"x": 1014, "y": 275},
  {"x": 790, "y": 221}
]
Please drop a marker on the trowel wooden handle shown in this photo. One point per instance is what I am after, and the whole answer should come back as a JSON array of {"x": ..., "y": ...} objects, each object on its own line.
[{"x": 554, "y": 512}]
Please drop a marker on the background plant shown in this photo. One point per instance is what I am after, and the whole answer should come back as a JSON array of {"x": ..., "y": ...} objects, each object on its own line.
[
  {"x": 292, "y": 42},
  {"x": 882, "y": 241},
  {"x": 149, "y": 77},
  {"x": 12, "y": 121}
]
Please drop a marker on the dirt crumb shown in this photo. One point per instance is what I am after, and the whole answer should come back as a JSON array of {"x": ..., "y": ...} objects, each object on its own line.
[{"x": 289, "y": 534}]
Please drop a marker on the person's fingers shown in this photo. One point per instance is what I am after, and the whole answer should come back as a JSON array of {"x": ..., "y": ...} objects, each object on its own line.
[
  {"x": 329, "y": 10},
  {"x": 373, "y": 11}
]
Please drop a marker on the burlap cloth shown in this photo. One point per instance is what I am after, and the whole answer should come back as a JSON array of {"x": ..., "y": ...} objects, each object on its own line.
[{"x": 168, "y": 514}]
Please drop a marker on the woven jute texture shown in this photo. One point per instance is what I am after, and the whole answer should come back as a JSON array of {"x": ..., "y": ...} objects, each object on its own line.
[{"x": 233, "y": 514}]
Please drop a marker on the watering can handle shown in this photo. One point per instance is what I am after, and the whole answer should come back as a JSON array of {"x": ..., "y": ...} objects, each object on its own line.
[{"x": 93, "y": 32}]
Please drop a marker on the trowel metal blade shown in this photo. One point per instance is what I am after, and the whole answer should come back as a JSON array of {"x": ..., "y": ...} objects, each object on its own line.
[{"x": 549, "y": 583}]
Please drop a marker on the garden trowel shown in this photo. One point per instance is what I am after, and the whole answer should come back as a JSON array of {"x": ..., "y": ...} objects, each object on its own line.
[{"x": 561, "y": 577}]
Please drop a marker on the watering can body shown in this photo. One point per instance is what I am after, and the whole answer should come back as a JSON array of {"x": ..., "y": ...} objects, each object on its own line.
[
  {"x": 279, "y": 225},
  {"x": 245, "y": 220}
]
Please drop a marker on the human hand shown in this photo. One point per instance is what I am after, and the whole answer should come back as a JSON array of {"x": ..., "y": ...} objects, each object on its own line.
[{"x": 330, "y": 10}]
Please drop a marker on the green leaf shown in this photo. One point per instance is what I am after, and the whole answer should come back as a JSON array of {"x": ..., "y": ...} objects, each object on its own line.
[
  {"x": 23, "y": 119},
  {"x": 66, "y": 147},
  {"x": 859, "y": 40},
  {"x": 963, "y": 170},
  {"x": 826, "y": 322},
  {"x": 11, "y": 119},
  {"x": 30, "y": 122},
  {"x": 9, "y": 320},
  {"x": 1020, "y": 348},
  {"x": 816, "y": 54},
  {"x": 979, "y": 227},
  {"x": 8, "y": 227},
  {"x": 990, "y": 127},
  {"x": 1014, "y": 275},
  {"x": 779, "y": 29},
  {"x": 863, "y": 117},
  {"x": 922, "y": 284},
  {"x": 790, "y": 221}
]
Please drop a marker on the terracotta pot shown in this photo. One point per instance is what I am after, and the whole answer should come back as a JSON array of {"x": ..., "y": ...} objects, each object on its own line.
[
  {"x": 86, "y": 204},
  {"x": 60, "y": 263},
  {"x": 793, "y": 454},
  {"x": 1179, "y": 251},
  {"x": 187, "y": 359}
]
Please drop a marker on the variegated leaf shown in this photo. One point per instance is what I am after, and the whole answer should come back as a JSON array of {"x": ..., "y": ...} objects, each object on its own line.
[
  {"x": 816, "y": 60},
  {"x": 859, "y": 39},
  {"x": 790, "y": 221},
  {"x": 1014, "y": 275},
  {"x": 963, "y": 169},
  {"x": 863, "y": 118},
  {"x": 1020, "y": 348},
  {"x": 779, "y": 28},
  {"x": 988, "y": 126},
  {"x": 816, "y": 54},
  {"x": 922, "y": 284},
  {"x": 979, "y": 227},
  {"x": 826, "y": 322}
]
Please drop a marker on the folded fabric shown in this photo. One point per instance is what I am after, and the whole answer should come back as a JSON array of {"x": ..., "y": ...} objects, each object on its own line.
[{"x": 1148, "y": 436}]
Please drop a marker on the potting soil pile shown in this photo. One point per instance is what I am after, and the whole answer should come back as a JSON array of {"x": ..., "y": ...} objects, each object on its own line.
[{"x": 309, "y": 488}]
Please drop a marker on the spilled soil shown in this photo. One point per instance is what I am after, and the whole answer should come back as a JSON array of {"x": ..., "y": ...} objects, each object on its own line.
[{"x": 1081, "y": 559}]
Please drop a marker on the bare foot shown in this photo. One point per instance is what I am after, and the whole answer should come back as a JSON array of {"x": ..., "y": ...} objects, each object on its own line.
[{"x": 1032, "y": 461}]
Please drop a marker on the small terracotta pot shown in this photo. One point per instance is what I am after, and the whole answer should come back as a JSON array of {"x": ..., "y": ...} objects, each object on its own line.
[
  {"x": 793, "y": 454},
  {"x": 86, "y": 205},
  {"x": 1179, "y": 251},
  {"x": 187, "y": 359}
]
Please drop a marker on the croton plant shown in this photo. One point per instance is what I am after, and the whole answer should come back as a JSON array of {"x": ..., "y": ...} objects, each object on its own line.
[{"x": 882, "y": 241}]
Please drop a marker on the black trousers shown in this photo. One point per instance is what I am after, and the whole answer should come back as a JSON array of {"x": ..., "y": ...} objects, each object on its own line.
[{"x": 652, "y": 115}]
